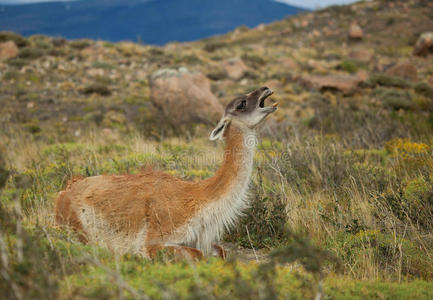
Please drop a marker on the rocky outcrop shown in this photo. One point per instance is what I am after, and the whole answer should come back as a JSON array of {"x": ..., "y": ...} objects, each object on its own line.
[
  {"x": 404, "y": 70},
  {"x": 339, "y": 82},
  {"x": 184, "y": 97},
  {"x": 235, "y": 68},
  {"x": 364, "y": 55},
  {"x": 424, "y": 45},
  {"x": 8, "y": 50},
  {"x": 355, "y": 32}
]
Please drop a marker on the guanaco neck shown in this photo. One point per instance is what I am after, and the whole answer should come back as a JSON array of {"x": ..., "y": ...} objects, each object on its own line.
[
  {"x": 234, "y": 174},
  {"x": 223, "y": 197}
]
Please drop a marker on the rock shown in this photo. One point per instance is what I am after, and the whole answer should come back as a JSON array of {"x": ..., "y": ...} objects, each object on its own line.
[
  {"x": 94, "y": 52},
  {"x": 362, "y": 75},
  {"x": 424, "y": 45},
  {"x": 363, "y": 55},
  {"x": 405, "y": 70},
  {"x": 315, "y": 33},
  {"x": 355, "y": 32},
  {"x": 141, "y": 75},
  {"x": 305, "y": 23},
  {"x": 184, "y": 97},
  {"x": 261, "y": 27},
  {"x": 343, "y": 83},
  {"x": 288, "y": 64},
  {"x": 235, "y": 68},
  {"x": 8, "y": 50},
  {"x": 93, "y": 72}
]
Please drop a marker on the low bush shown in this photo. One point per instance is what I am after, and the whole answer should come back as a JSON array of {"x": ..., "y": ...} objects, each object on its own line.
[
  {"x": 213, "y": 46},
  {"x": 12, "y": 36},
  {"x": 30, "y": 53},
  {"x": 80, "y": 44},
  {"x": 424, "y": 89},
  {"x": 392, "y": 253},
  {"x": 350, "y": 65},
  {"x": 387, "y": 80},
  {"x": 96, "y": 88},
  {"x": 217, "y": 75},
  {"x": 253, "y": 60},
  {"x": 394, "y": 99}
]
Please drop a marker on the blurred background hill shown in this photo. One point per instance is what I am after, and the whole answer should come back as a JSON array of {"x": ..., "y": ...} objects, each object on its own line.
[{"x": 150, "y": 22}]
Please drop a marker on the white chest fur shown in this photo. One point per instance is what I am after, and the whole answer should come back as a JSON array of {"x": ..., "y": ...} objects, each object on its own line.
[{"x": 209, "y": 224}]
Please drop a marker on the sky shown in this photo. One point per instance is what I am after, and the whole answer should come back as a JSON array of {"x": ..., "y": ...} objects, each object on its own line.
[{"x": 311, "y": 4}]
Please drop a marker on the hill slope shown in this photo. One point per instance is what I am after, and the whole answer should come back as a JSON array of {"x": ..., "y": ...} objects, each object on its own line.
[{"x": 153, "y": 22}]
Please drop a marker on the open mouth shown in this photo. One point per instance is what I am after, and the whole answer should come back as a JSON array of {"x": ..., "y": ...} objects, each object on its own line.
[{"x": 264, "y": 96}]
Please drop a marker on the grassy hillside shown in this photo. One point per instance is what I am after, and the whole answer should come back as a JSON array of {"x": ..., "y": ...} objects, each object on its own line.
[{"x": 342, "y": 192}]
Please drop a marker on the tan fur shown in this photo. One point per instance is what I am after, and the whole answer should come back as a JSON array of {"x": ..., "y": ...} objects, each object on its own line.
[{"x": 154, "y": 199}]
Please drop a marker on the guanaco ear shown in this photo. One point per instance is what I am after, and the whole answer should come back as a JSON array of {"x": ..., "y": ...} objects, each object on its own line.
[{"x": 218, "y": 132}]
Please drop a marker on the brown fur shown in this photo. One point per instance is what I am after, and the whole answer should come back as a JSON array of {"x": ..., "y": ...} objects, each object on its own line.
[{"x": 157, "y": 199}]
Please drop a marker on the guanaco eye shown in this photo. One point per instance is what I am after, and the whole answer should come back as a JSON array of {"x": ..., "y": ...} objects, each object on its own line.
[{"x": 242, "y": 105}]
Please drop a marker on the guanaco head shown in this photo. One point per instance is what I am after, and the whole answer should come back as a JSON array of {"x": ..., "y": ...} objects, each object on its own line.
[{"x": 247, "y": 110}]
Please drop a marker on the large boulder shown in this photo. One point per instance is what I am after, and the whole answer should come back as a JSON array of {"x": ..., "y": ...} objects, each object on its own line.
[
  {"x": 339, "y": 82},
  {"x": 8, "y": 50},
  {"x": 184, "y": 97},
  {"x": 405, "y": 70},
  {"x": 235, "y": 68},
  {"x": 361, "y": 54},
  {"x": 424, "y": 45},
  {"x": 355, "y": 32}
]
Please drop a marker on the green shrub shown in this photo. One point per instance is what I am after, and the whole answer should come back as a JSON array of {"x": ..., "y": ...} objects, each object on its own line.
[
  {"x": 250, "y": 75},
  {"x": 102, "y": 65},
  {"x": 412, "y": 202},
  {"x": 217, "y": 75},
  {"x": 80, "y": 44},
  {"x": 419, "y": 197},
  {"x": 56, "y": 52},
  {"x": 213, "y": 46},
  {"x": 58, "y": 42},
  {"x": 43, "y": 44},
  {"x": 187, "y": 59},
  {"x": 30, "y": 53},
  {"x": 154, "y": 51},
  {"x": 424, "y": 89},
  {"x": 96, "y": 88},
  {"x": 263, "y": 225},
  {"x": 393, "y": 98},
  {"x": 11, "y": 75},
  {"x": 253, "y": 60},
  {"x": 388, "y": 251},
  {"x": 17, "y": 62},
  {"x": 29, "y": 271},
  {"x": 11, "y": 36},
  {"x": 33, "y": 127},
  {"x": 387, "y": 80},
  {"x": 350, "y": 65},
  {"x": 4, "y": 173}
]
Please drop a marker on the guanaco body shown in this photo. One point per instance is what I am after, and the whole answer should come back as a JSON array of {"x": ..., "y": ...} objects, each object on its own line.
[{"x": 150, "y": 211}]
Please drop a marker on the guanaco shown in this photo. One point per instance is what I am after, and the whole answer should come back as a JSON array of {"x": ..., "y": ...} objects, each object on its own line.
[{"x": 151, "y": 211}]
